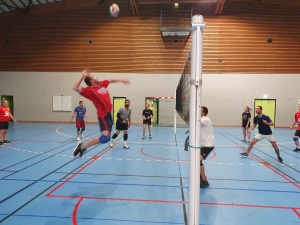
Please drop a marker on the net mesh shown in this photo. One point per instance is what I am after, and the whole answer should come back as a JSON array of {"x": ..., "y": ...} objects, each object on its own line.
[
  {"x": 183, "y": 90},
  {"x": 166, "y": 113}
]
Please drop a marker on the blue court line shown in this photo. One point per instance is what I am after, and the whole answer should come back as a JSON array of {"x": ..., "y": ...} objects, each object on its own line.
[
  {"x": 151, "y": 185},
  {"x": 85, "y": 218}
]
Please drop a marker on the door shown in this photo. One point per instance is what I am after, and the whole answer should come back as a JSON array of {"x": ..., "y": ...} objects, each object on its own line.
[
  {"x": 118, "y": 102},
  {"x": 10, "y": 100},
  {"x": 268, "y": 107}
]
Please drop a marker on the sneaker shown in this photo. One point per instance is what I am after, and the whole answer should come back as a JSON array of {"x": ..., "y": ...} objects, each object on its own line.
[
  {"x": 81, "y": 152},
  {"x": 6, "y": 141},
  {"x": 125, "y": 146},
  {"x": 244, "y": 140},
  {"x": 244, "y": 154},
  {"x": 1, "y": 143},
  {"x": 247, "y": 142},
  {"x": 280, "y": 159},
  {"x": 143, "y": 137},
  {"x": 111, "y": 143},
  {"x": 78, "y": 139},
  {"x": 150, "y": 136},
  {"x": 204, "y": 183},
  {"x": 77, "y": 149},
  {"x": 296, "y": 150}
]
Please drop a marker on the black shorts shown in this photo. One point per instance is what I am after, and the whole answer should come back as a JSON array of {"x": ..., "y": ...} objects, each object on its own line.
[
  {"x": 106, "y": 122},
  {"x": 297, "y": 133},
  {"x": 245, "y": 124},
  {"x": 148, "y": 122},
  {"x": 121, "y": 126},
  {"x": 205, "y": 151},
  {"x": 4, "y": 125}
]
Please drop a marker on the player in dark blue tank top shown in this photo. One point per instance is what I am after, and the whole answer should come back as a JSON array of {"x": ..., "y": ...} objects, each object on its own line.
[{"x": 264, "y": 131}]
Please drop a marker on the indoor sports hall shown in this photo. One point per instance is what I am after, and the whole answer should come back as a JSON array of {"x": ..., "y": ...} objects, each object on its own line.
[{"x": 175, "y": 59}]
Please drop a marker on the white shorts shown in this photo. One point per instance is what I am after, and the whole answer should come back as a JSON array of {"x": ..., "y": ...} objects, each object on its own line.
[{"x": 260, "y": 137}]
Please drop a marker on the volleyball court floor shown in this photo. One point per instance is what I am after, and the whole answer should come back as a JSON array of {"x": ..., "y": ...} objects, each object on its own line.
[{"x": 42, "y": 183}]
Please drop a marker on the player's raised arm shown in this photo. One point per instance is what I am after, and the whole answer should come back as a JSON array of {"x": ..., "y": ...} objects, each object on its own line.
[
  {"x": 76, "y": 87},
  {"x": 124, "y": 81}
]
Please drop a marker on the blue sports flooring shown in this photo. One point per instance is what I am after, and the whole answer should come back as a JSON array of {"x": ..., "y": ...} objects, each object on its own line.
[{"x": 42, "y": 183}]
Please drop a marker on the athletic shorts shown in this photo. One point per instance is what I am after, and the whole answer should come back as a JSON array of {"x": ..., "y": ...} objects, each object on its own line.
[
  {"x": 80, "y": 124},
  {"x": 4, "y": 125},
  {"x": 205, "y": 151},
  {"x": 121, "y": 126},
  {"x": 148, "y": 122},
  {"x": 297, "y": 133},
  {"x": 106, "y": 122},
  {"x": 269, "y": 137},
  {"x": 245, "y": 124}
]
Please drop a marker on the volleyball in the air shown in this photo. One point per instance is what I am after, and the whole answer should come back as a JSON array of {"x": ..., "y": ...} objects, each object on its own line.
[{"x": 114, "y": 10}]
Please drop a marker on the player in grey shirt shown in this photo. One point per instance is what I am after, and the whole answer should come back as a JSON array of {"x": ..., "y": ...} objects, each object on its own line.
[{"x": 122, "y": 124}]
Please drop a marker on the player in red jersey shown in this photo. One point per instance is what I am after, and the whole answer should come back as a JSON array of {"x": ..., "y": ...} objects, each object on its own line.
[
  {"x": 97, "y": 92},
  {"x": 5, "y": 116},
  {"x": 297, "y": 133}
]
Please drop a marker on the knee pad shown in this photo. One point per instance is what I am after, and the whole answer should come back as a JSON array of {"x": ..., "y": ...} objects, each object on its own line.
[
  {"x": 295, "y": 138},
  {"x": 78, "y": 129},
  {"x": 201, "y": 164},
  {"x": 125, "y": 137},
  {"x": 104, "y": 139},
  {"x": 83, "y": 129}
]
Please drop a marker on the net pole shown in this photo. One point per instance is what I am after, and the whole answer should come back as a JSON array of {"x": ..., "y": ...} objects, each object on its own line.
[{"x": 194, "y": 118}]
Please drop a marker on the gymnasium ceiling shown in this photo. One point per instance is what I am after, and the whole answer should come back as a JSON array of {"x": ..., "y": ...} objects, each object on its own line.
[{"x": 48, "y": 6}]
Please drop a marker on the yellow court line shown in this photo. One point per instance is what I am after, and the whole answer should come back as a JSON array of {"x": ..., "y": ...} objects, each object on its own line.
[{"x": 57, "y": 131}]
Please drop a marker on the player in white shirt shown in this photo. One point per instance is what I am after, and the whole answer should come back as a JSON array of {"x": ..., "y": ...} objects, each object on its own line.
[{"x": 207, "y": 141}]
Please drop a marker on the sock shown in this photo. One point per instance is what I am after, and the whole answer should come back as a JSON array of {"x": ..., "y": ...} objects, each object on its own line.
[
  {"x": 124, "y": 142},
  {"x": 114, "y": 136}
]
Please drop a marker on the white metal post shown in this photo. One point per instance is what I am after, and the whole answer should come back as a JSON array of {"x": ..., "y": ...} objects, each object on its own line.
[{"x": 194, "y": 119}]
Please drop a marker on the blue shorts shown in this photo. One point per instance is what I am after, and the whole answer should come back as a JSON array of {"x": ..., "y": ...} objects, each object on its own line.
[{"x": 106, "y": 122}]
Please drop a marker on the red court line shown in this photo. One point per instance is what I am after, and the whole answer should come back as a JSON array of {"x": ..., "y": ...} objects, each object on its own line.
[
  {"x": 269, "y": 166},
  {"x": 179, "y": 202},
  {"x": 297, "y": 213},
  {"x": 155, "y": 157},
  {"x": 74, "y": 215}
]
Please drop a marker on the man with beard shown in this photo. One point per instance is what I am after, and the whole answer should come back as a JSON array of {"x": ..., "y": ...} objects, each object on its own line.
[
  {"x": 122, "y": 124},
  {"x": 264, "y": 131}
]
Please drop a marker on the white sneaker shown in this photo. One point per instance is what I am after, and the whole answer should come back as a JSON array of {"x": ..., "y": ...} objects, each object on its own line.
[
  {"x": 111, "y": 143},
  {"x": 125, "y": 146},
  {"x": 78, "y": 139},
  {"x": 143, "y": 137}
]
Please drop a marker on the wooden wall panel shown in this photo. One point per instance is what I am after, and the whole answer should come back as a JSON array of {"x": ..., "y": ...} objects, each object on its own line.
[{"x": 234, "y": 42}]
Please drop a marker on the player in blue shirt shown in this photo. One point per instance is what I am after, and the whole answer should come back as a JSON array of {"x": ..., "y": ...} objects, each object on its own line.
[
  {"x": 264, "y": 131},
  {"x": 80, "y": 112}
]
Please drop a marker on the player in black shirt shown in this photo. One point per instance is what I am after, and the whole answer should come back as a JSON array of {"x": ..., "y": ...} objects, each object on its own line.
[
  {"x": 264, "y": 131},
  {"x": 246, "y": 118},
  {"x": 147, "y": 116}
]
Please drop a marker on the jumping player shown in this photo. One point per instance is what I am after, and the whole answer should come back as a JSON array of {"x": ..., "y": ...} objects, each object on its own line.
[{"x": 97, "y": 92}]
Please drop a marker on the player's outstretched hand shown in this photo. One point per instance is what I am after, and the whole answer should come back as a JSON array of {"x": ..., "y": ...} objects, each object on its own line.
[{"x": 126, "y": 81}]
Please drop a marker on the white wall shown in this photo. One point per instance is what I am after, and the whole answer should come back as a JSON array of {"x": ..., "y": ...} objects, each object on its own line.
[{"x": 225, "y": 95}]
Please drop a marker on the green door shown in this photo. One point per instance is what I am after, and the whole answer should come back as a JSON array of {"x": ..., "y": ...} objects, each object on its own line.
[
  {"x": 154, "y": 108},
  {"x": 268, "y": 107},
  {"x": 118, "y": 102}
]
